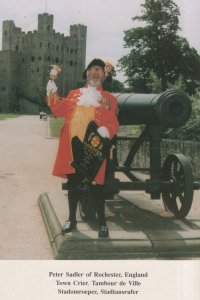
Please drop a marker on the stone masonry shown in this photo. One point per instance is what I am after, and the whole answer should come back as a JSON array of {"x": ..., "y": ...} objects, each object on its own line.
[{"x": 25, "y": 60}]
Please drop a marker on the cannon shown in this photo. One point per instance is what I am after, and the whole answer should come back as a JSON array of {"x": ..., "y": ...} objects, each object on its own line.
[
  {"x": 174, "y": 180},
  {"x": 170, "y": 109}
]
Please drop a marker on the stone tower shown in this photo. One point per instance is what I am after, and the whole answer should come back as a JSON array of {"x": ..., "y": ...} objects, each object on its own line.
[{"x": 25, "y": 60}]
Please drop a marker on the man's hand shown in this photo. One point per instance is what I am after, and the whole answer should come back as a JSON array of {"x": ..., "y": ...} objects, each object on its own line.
[
  {"x": 103, "y": 131},
  {"x": 51, "y": 87}
]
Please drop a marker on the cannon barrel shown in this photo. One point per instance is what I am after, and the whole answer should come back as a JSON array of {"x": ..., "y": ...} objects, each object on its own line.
[{"x": 171, "y": 108}]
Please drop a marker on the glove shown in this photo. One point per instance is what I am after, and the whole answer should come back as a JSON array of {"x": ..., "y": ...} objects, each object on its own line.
[
  {"x": 51, "y": 87},
  {"x": 103, "y": 131}
]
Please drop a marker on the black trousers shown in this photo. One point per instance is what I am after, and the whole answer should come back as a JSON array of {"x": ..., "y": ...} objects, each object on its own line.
[{"x": 74, "y": 193}]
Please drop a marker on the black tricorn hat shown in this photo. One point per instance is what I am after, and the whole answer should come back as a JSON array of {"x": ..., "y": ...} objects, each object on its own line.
[{"x": 100, "y": 63}]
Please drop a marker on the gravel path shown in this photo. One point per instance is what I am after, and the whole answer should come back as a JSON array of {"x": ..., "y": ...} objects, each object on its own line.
[{"x": 26, "y": 156}]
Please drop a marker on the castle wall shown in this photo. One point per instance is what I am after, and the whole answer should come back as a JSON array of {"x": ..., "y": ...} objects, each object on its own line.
[
  {"x": 9, "y": 83},
  {"x": 33, "y": 52}
]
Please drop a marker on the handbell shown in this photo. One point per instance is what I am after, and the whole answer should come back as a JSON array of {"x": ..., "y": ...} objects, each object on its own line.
[{"x": 54, "y": 71}]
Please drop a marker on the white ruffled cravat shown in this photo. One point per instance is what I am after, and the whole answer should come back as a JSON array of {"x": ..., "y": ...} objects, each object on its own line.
[{"x": 89, "y": 96}]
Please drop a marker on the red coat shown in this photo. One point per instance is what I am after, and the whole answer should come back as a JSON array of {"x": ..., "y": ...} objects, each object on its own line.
[{"x": 105, "y": 115}]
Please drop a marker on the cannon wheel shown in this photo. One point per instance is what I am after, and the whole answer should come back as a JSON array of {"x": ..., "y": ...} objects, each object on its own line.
[
  {"x": 177, "y": 169},
  {"x": 86, "y": 205}
]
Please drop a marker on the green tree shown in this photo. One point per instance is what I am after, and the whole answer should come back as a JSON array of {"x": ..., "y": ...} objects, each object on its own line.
[
  {"x": 156, "y": 48},
  {"x": 115, "y": 86},
  {"x": 154, "y": 83}
]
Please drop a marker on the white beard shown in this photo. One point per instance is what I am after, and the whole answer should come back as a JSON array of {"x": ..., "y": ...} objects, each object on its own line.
[
  {"x": 94, "y": 82},
  {"x": 90, "y": 96}
]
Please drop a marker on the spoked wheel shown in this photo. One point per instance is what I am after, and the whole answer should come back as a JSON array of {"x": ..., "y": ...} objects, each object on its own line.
[
  {"x": 86, "y": 205},
  {"x": 177, "y": 169}
]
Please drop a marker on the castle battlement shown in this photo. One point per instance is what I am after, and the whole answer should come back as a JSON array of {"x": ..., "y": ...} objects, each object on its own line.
[{"x": 34, "y": 52}]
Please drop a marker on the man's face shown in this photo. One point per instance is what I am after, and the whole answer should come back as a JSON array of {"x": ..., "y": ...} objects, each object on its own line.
[
  {"x": 95, "y": 75},
  {"x": 95, "y": 142}
]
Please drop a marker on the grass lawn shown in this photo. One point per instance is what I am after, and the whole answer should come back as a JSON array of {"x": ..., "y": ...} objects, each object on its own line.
[
  {"x": 8, "y": 116},
  {"x": 55, "y": 124}
]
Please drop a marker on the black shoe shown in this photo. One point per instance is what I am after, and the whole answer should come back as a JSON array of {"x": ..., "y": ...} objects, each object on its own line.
[
  {"x": 103, "y": 231},
  {"x": 68, "y": 227}
]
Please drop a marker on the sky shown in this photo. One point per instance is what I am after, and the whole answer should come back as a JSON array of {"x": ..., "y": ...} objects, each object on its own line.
[{"x": 106, "y": 21}]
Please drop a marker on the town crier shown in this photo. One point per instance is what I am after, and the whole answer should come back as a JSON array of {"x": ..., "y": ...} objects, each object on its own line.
[{"x": 79, "y": 108}]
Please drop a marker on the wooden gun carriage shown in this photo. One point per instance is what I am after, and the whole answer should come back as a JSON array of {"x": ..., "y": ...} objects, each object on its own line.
[{"x": 174, "y": 179}]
